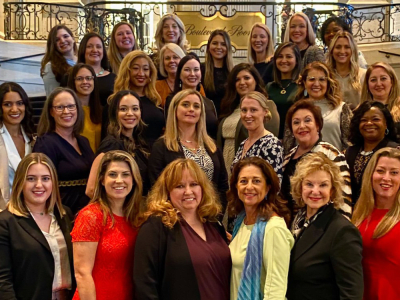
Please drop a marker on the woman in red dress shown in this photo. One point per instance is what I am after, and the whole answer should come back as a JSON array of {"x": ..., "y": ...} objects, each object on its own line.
[
  {"x": 105, "y": 231},
  {"x": 377, "y": 215}
]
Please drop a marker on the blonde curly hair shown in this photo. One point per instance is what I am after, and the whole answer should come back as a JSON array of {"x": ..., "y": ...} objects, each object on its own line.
[{"x": 309, "y": 164}]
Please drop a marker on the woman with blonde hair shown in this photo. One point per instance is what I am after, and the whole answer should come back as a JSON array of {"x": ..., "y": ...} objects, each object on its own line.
[
  {"x": 261, "y": 142},
  {"x": 260, "y": 51},
  {"x": 35, "y": 243},
  {"x": 188, "y": 76},
  {"x": 381, "y": 84},
  {"x": 217, "y": 65},
  {"x": 377, "y": 215},
  {"x": 343, "y": 61},
  {"x": 170, "y": 29},
  {"x": 122, "y": 41},
  {"x": 138, "y": 73},
  {"x": 170, "y": 56},
  {"x": 181, "y": 250},
  {"x": 300, "y": 32},
  {"x": 61, "y": 51},
  {"x": 317, "y": 83},
  {"x": 105, "y": 231},
  {"x": 186, "y": 136},
  {"x": 326, "y": 260}
]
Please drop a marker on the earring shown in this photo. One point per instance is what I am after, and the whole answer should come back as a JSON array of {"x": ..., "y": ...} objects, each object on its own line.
[
  {"x": 386, "y": 131},
  {"x": 180, "y": 83},
  {"x": 305, "y": 93}
]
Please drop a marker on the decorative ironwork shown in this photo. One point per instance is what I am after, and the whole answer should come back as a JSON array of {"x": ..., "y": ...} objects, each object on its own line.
[{"x": 33, "y": 20}]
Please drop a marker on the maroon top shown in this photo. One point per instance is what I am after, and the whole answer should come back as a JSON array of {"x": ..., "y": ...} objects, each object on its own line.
[{"x": 211, "y": 261}]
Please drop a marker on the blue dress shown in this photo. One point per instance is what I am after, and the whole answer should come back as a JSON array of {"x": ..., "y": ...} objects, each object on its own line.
[{"x": 72, "y": 168}]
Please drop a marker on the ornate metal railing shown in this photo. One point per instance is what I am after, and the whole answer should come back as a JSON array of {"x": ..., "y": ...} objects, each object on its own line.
[{"x": 33, "y": 20}]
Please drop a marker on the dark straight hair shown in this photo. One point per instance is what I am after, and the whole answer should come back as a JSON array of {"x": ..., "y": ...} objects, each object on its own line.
[
  {"x": 94, "y": 100},
  {"x": 297, "y": 55}
]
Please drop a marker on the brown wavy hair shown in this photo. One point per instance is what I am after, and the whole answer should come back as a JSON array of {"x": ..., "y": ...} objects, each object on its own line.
[
  {"x": 333, "y": 93},
  {"x": 272, "y": 203},
  {"x": 59, "y": 64},
  {"x": 131, "y": 206}
]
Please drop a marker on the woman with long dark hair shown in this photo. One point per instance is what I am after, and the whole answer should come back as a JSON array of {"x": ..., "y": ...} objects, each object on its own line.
[
  {"x": 60, "y": 56},
  {"x": 124, "y": 133},
  {"x": 82, "y": 80},
  {"x": 16, "y": 134},
  {"x": 217, "y": 65}
]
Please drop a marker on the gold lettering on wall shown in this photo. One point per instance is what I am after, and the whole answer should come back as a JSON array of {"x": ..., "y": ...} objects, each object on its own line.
[{"x": 199, "y": 28}]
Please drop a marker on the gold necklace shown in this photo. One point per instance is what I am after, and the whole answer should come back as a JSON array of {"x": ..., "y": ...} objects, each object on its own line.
[{"x": 283, "y": 91}]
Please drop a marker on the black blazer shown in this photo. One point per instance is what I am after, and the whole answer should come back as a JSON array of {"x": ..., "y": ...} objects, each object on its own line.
[
  {"x": 325, "y": 262},
  {"x": 163, "y": 268},
  {"x": 351, "y": 154},
  {"x": 26, "y": 261},
  {"x": 160, "y": 157}
]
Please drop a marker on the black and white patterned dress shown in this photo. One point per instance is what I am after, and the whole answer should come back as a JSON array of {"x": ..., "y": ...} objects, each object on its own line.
[
  {"x": 268, "y": 148},
  {"x": 201, "y": 158}
]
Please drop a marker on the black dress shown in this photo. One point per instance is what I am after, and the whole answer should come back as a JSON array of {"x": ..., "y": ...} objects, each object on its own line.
[
  {"x": 266, "y": 71},
  {"x": 160, "y": 157},
  {"x": 220, "y": 79},
  {"x": 112, "y": 143},
  {"x": 106, "y": 87},
  {"x": 72, "y": 168},
  {"x": 152, "y": 116}
]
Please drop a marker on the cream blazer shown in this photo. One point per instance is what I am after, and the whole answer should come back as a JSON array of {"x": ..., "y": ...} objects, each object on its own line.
[{"x": 4, "y": 181}]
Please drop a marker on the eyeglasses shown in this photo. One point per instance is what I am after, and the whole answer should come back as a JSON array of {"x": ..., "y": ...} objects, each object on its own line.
[
  {"x": 60, "y": 108},
  {"x": 82, "y": 78},
  {"x": 322, "y": 79}
]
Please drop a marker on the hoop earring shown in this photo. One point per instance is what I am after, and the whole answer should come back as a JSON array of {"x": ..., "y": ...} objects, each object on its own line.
[{"x": 386, "y": 131}]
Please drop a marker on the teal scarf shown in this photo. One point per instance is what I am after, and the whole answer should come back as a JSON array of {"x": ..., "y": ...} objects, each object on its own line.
[{"x": 250, "y": 282}]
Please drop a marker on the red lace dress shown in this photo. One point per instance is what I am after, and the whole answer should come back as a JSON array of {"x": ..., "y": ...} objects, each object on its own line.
[
  {"x": 113, "y": 266},
  {"x": 381, "y": 259}
]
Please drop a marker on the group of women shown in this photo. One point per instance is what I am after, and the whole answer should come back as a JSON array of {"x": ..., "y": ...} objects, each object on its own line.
[{"x": 122, "y": 193}]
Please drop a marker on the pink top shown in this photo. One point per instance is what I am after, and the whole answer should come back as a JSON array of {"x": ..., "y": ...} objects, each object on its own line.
[
  {"x": 381, "y": 259},
  {"x": 113, "y": 266}
]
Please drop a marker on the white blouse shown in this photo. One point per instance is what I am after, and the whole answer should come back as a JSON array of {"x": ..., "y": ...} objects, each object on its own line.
[
  {"x": 58, "y": 246},
  {"x": 12, "y": 152}
]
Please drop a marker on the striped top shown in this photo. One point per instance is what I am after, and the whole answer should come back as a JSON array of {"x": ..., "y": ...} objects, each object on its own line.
[{"x": 339, "y": 159}]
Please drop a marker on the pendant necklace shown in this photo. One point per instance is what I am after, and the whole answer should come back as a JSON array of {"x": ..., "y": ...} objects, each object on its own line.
[
  {"x": 283, "y": 91},
  {"x": 101, "y": 72},
  {"x": 38, "y": 213}
]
